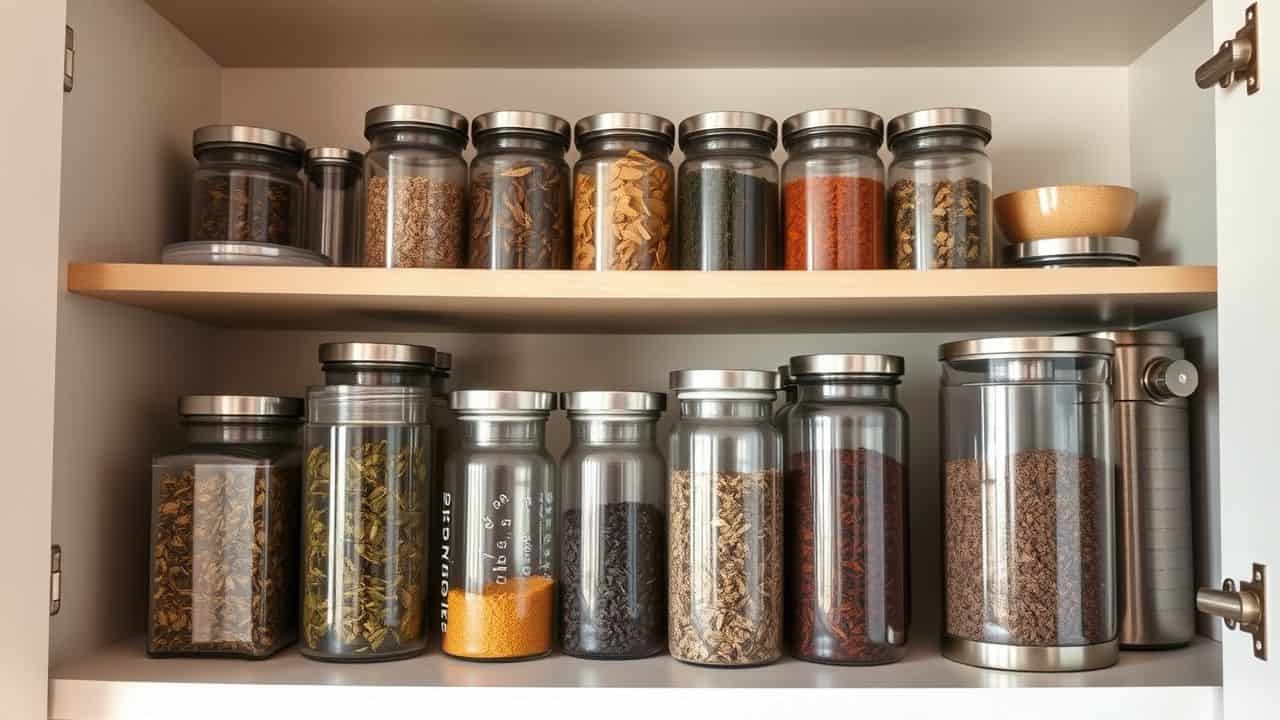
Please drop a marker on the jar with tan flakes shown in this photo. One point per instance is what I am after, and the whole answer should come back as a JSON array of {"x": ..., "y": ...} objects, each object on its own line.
[
  {"x": 415, "y": 187},
  {"x": 624, "y": 186}
]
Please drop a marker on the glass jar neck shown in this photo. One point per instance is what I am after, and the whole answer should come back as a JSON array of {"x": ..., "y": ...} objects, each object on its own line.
[
  {"x": 539, "y": 143},
  {"x": 621, "y": 143},
  {"x": 847, "y": 388},
  {"x": 417, "y": 138},
  {"x": 847, "y": 142},
  {"x": 241, "y": 432},
  {"x": 940, "y": 140},
  {"x": 333, "y": 175},
  {"x": 249, "y": 155},
  {"x": 613, "y": 431},
  {"x": 727, "y": 408},
  {"x": 728, "y": 143},
  {"x": 503, "y": 431}
]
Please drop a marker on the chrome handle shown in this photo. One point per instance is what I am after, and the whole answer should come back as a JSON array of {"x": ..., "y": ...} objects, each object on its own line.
[{"x": 1231, "y": 58}]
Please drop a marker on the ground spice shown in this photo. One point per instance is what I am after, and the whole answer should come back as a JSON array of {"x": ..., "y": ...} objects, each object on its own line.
[
  {"x": 728, "y": 220},
  {"x": 834, "y": 222},
  {"x": 507, "y": 621},
  {"x": 424, "y": 223}
]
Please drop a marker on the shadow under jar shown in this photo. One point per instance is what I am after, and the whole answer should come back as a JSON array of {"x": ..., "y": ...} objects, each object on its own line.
[
  {"x": 246, "y": 188},
  {"x": 497, "y": 530},
  {"x": 728, "y": 189},
  {"x": 623, "y": 192},
  {"x": 846, "y": 443},
  {"x": 1029, "y": 556},
  {"x": 334, "y": 197},
  {"x": 519, "y": 192},
  {"x": 613, "y": 526},
  {"x": 940, "y": 190},
  {"x": 724, "y": 534},
  {"x": 415, "y": 187}
]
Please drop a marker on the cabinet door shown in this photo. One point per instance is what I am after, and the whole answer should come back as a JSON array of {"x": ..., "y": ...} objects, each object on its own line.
[{"x": 1249, "y": 339}]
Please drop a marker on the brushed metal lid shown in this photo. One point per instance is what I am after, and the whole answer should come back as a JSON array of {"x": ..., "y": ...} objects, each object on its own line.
[
  {"x": 383, "y": 353},
  {"x": 727, "y": 380},
  {"x": 593, "y": 126},
  {"x": 732, "y": 121},
  {"x": 500, "y": 120},
  {"x": 825, "y": 120},
  {"x": 410, "y": 116},
  {"x": 240, "y": 405},
  {"x": 211, "y": 136},
  {"x": 1103, "y": 248},
  {"x": 503, "y": 401},
  {"x": 847, "y": 364},
  {"x": 1139, "y": 337},
  {"x": 1028, "y": 345},
  {"x": 613, "y": 401},
  {"x": 941, "y": 118},
  {"x": 333, "y": 156}
]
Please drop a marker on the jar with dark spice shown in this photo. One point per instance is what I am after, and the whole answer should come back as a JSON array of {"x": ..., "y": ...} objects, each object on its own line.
[
  {"x": 624, "y": 192},
  {"x": 246, "y": 188},
  {"x": 1029, "y": 555},
  {"x": 224, "y": 527},
  {"x": 728, "y": 188},
  {"x": 725, "y": 545},
  {"x": 519, "y": 192},
  {"x": 833, "y": 191},
  {"x": 940, "y": 190},
  {"x": 415, "y": 187},
  {"x": 613, "y": 526},
  {"x": 335, "y": 195},
  {"x": 846, "y": 441}
]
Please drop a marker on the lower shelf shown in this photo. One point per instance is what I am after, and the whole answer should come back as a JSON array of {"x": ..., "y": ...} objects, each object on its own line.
[{"x": 120, "y": 682}]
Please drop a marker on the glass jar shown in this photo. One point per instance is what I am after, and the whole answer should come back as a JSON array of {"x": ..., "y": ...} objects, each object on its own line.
[
  {"x": 1028, "y": 503},
  {"x": 624, "y": 190},
  {"x": 833, "y": 191},
  {"x": 728, "y": 189},
  {"x": 519, "y": 192},
  {"x": 498, "y": 524},
  {"x": 362, "y": 363},
  {"x": 334, "y": 194},
  {"x": 613, "y": 526},
  {"x": 224, "y": 524},
  {"x": 725, "y": 530},
  {"x": 364, "y": 524},
  {"x": 940, "y": 194},
  {"x": 846, "y": 462},
  {"x": 415, "y": 187},
  {"x": 246, "y": 188}
]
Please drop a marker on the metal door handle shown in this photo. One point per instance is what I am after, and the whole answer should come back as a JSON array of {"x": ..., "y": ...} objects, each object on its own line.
[
  {"x": 1236, "y": 59},
  {"x": 1244, "y": 608}
]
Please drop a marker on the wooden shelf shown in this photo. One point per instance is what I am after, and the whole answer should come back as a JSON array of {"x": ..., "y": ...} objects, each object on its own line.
[{"x": 659, "y": 302}]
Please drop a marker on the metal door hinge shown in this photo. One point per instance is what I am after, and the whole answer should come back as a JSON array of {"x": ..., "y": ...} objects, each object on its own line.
[
  {"x": 55, "y": 579},
  {"x": 1236, "y": 59},
  {"x": 1245, "y": 608},
  {"x": 69, "y": 62}
]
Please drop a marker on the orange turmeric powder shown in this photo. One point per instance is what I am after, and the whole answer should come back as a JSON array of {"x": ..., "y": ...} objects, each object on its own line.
[{"x": 507, "y": 621}]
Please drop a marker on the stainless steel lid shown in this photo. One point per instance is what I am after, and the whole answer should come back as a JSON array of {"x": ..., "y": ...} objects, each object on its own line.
[
  {"x": 219, "y": 135},
  {"x": 385, "y": 116},
  {"x": 381, "y": 353},
  {"x": 1032, "y": 345},
  {"x": 727, "y": 380},
  {"x": 593, "y": 126},
  {"x": 833, "y": 120},
  {"x": 732, "y": 121},
  {"x": 1139, "y": 337},
  {"x": 1103, "y": 248},
  {"x": 952, "y": 118},
  {"x": 200, "y": 252},
  {"x": 240, "y": 405},
  {"x": 503, "y": 401},
  {"x": 613, "y": 401},
  {"x": 333, "y": 156},
  {"x": 847, "y": 364},
  {"x": 499, "y": 120}
]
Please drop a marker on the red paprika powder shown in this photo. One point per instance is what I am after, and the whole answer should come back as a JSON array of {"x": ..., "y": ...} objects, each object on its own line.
[{"x": 834, "y": 222}]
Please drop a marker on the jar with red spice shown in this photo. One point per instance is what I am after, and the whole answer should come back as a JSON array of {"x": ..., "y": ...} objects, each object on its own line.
[
  {"x": 846, "y": 510},
  {"x": 833, "y": 191}
]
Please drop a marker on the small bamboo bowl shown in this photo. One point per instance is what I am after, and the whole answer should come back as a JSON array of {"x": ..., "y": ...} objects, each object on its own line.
[{"x": 1065, "y": 211}]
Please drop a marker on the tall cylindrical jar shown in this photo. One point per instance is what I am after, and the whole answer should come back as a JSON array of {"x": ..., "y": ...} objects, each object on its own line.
[
  {"x": 498, "y": 516},
  {"x": 728, "y": 188},
  {"x": 846, "y": 441},
  {"x": 833, "y": 191},
  {"x": 246, "y": 188},
  {"x": 335, "y": 195},
  {"x": 624, "y": 192},
  {"x": 364, "y": 524},
  {"x": 940, "y": 190},
  {"x": 1029, "y": 557},
  {"x": 415, "y": 187},
  {"x": 725, "y": 540},
  {"x": 519, "y": 192},
  {"x": 613, "y": 526}
]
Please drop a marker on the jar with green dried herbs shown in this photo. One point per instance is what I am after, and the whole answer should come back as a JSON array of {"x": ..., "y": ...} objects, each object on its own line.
[{"x": 367, "y": 494}]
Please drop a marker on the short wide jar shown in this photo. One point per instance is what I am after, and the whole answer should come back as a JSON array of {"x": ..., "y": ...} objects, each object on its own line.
[{"x": 246, "y": 188}]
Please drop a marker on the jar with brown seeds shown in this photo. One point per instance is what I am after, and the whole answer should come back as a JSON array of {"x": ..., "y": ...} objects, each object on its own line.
[
  {"x": 519, "y": 192},
  {"x": 623, "y": 197}
]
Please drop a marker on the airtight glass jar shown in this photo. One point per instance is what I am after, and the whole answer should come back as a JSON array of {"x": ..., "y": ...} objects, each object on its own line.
[
  {"x": 363, "y": 363},
  {"x": 613, "y": 526},
  {"x": 833, "y": 191},
  {"x": 224, "y": 528},
  {"x": 725, "y": 530},
  {"x": 624, "y": 192},
  {"x": 335, "y": 194},
  {"x": 728, "y": 188},
  {"x": 940, "y": 190},
  {"x": 415, "y": 187},
  {"x": 519, "y": 192},
  {"x": 498, "y": 528},
  {"x": 246, "y": 188},
  {"x": 846, "y": 442}
]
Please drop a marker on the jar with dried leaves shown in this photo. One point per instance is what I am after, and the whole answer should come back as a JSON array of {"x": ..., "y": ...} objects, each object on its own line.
[
  {"x": 725, "y": 539},
  {"x": 246, "y": 188},
  {"x": 224, "y": 527},
  {"x": 415, "y": 187},
  {"x": 519, "y": 192},
  {"x": 364, "y": 524},
  {"x": 624, "y": 192}
]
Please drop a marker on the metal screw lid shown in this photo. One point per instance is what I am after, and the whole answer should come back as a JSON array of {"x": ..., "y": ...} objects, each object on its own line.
[
  {"x": 613, "y": 401},
  {"x": 500, "y": 120},
  {"x": 726, "y": 380},
  {"x": 729, "y": 121},
  {"x": 333, "y": 156},
  {"x": 847, "y": 364},
  {"x": 1032, "y": 345},
  {"x": 240, "y": 405},
  {"x": 951, "y": 118},
  {"x": 1139, "y": 337},
  {"x": 503, "y": 401},
  {"x": 812, "y": 122},
  {"x": 410, "y": 116},
  {"x": 593, "y": 126},
  {"x": 211, "y": 136},
  {"x": 382, "y": 353}
]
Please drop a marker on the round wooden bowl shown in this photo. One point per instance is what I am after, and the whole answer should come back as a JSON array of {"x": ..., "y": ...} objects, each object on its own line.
[{"x": 1065, "y": 211}]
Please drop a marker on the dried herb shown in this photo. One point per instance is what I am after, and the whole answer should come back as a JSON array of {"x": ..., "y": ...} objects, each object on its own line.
[
  {"x": 245, "y": 207},
  {"x": 728, "y": 220},
  {"x": 622, "y": 222},
  {"x": 834, "y": 222},
  {"x": 613, "y": 599},
  {"x": 424, "y": 216},
  {"x": 363, "y": 587},
  {"x": 942, "y": 225},
  {"x": 508, "y": 620},
  {"x": 224, "y": 560},
  {"x": 519, "y": 215},
  {"x": 725, "y": 602}
]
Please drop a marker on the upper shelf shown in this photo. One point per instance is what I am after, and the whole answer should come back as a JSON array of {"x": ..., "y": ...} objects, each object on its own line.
[
  {"x": 519, "y": 301},
  {"x": 673, "y": 33}
]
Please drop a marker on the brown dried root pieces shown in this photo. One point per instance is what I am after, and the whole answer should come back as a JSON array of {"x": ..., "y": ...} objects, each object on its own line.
[
  {"x": 519, "y": 214},
  {"x": 622, "y": 214},
  {"x": 953, "y": 224}
]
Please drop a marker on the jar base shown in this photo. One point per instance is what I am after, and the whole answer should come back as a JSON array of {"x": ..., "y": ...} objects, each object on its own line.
[
  {"x": 383, "y": 657},
  {"x": 1028, "y": 658},
  {"x": 850, "y": 663},
  {"x": 726, "y": 666},
  {"x": 606, "y": 656},
  {"x": 518, "y": 658}
]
